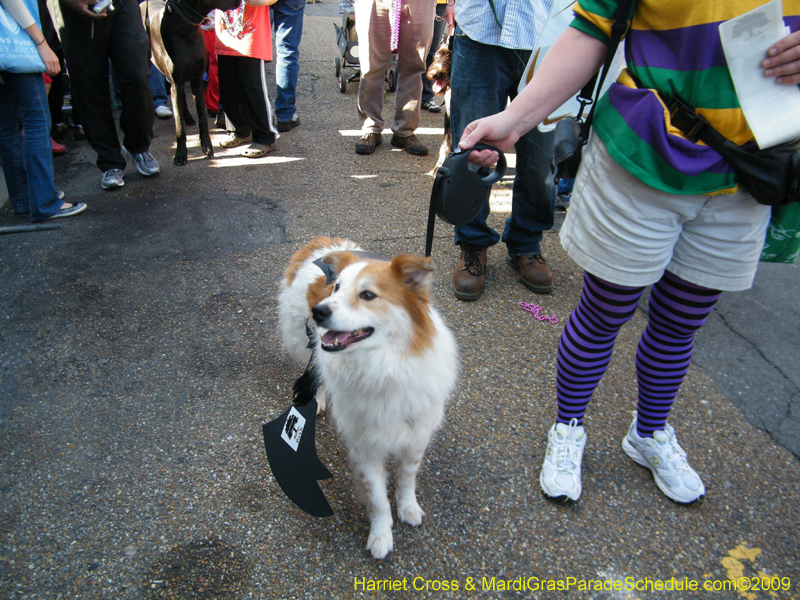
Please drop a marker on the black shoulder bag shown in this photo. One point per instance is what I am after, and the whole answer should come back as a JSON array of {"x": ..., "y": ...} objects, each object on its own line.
[
  {"x": 771, "y": 175},
  {"x": 571, "y": 134}
]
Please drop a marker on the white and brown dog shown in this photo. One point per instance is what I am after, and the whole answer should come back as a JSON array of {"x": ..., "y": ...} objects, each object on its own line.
[{"x": 385, "y": 359}]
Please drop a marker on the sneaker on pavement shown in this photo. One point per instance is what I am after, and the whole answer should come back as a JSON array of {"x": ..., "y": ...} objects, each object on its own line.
[
  {"x": 534, "y": 273},
  {"x": 560, "y": 477},
  {"x": 112, "y": 179},
  {"x": 144, "y": 161},
  {"x": 410, "y": 144},
  {"x": 667, "y": 460},
  {"x": 431, "y": 106},
  {"x": 284, "y": 126},
  {"x": 163, "y": 111},
  {"x": 71, "y": 211},
  {"x": 368, "y": 142}
]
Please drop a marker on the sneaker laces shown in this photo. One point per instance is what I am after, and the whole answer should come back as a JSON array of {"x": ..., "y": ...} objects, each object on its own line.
[
  {"x": 472, "y": 261},
  {"x": 673, "y": 454},
  {"x": 566, "y": 455}
]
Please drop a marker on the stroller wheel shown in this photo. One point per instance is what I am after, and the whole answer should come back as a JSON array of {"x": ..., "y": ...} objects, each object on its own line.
[
  {"x": 342, "y": 81},
  {"x": 337, "y": 65},
  {"x": 391, "y": 80}
]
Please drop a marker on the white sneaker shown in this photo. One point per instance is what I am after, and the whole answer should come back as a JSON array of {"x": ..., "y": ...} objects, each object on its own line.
[
  {"x": 666, "y": 459},
  {"x": 560, "y": 477},
  {"x": 163, "y": 112}
]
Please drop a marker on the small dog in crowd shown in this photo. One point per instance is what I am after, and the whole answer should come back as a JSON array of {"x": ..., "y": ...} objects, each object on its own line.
[
  {"x": 385, "y": 359},
  {"x": 439, "y": 74},
  {"x": 179, "y": 52}
]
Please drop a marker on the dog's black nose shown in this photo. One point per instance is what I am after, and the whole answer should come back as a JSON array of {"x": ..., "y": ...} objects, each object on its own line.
[{"x": 320, "y": 312}]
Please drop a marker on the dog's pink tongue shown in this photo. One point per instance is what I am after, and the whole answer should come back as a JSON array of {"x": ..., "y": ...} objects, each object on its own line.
[
  {"x": 334, "y": 337},
  {"x": 437, "y": 86}
]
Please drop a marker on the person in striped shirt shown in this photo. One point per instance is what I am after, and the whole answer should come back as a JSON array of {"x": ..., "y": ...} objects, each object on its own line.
[{"x": 649, "y": 207}]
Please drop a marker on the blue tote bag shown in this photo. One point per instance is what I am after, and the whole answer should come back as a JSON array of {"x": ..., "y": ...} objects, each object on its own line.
[{"x": 18, "y": 53}]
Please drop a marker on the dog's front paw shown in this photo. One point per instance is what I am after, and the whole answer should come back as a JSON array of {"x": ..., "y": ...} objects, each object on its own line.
[
  {"x": 379, "y": 544},
  {"x": 208, "y": 151},
  {"x": 180, "y": 160},
  {"x": 411, "y": 514}
]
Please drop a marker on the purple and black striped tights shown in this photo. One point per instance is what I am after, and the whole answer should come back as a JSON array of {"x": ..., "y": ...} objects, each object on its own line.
[{"x": 677, "y": 310}]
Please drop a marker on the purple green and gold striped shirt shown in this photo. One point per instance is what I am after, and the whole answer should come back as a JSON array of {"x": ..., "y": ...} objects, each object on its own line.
[{"x": 674, "y": 48}]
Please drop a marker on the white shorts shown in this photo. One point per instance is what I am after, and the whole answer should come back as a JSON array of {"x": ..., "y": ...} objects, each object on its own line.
[{"x": 628, "y": 233}]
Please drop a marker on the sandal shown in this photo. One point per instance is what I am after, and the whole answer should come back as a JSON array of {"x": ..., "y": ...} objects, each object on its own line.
[
  {"x": 233, "y": 141},
  {"x": 258, "y": 150}
]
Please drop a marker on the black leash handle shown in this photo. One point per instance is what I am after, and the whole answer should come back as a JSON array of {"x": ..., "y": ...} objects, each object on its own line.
[{"x": 493, "y": 177}]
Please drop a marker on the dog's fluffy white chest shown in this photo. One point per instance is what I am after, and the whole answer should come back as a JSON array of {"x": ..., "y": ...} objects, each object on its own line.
[{"x": 388, "y": 402}]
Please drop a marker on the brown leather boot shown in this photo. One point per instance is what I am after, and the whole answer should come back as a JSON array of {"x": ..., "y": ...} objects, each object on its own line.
[
  {"x": 534, "y": 273},
  {"x": 468, "y": 277}
]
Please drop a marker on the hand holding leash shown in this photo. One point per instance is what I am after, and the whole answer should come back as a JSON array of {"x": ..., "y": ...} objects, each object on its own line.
[{"x": 497, "y": 131}]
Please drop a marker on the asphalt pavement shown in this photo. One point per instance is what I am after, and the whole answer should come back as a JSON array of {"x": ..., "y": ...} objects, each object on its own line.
[{"x": 140, "y": 355}]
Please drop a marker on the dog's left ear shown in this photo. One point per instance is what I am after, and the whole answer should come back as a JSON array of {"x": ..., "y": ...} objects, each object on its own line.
[
  {"x": 339, "y": 260},
  {"x": 416, "y": 272}
]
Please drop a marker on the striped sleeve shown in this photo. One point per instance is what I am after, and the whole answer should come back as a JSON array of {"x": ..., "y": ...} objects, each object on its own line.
[{"x": 595, "y": 17}]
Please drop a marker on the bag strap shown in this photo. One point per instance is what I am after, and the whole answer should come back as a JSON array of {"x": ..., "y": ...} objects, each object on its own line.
[
  {"x": 618, "y": 29},
  {"x": 694, "y": 127}
]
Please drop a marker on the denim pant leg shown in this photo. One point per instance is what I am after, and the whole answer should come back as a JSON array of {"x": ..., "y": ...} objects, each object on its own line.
[
  {"x": 484, "y": 79},
  {"x": 158, "y": 83},
  {"x": 27, "y": 161},
  {"x": 287, "y": 15},
  {"x": 532, "y": 202}
]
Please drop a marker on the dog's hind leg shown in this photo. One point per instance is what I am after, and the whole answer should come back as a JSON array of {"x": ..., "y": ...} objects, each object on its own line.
[
  {"x": 188, "y": 119},
  {"x": 178, "y": 107},
  {"x": 198, "y": 90},
  {"x": 408, "y": 511},
  {"x": 370, "y": 481}
]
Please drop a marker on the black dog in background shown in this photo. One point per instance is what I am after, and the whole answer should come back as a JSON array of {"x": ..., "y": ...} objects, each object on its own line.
[
  {"x": 439, "y": 74},
  {"x": 179, "y": 52}
]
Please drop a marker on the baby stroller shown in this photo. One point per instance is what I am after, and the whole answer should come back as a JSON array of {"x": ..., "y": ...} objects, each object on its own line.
[{"x": 347, "y": 40}]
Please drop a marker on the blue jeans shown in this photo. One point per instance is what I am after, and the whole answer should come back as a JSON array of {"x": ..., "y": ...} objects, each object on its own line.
[
  {"x": 158, "y": 83},
  {"x": 287, "y": 15},
  {"x": 27, "y": 160},
  {"x": 484, "y": 78}
]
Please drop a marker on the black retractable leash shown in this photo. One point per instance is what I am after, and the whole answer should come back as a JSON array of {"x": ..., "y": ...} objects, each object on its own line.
[{"x": 461, "y": 190}]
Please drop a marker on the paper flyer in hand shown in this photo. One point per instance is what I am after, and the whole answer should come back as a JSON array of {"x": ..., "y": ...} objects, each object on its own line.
[{"x": 772, "y": 110}]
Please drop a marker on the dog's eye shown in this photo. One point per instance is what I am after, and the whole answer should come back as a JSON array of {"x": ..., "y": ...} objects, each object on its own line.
[
  {"x": 367, "y": 295},
  {"x": 335, "y": 287}
]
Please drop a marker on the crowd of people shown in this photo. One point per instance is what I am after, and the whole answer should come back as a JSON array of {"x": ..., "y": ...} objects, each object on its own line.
[
  {"x": 650, "y": 207},
  {"x": 111, "y": 44}
]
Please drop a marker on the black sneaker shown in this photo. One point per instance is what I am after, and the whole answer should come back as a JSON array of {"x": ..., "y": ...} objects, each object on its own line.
[{"x": 284, "y": 126}]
